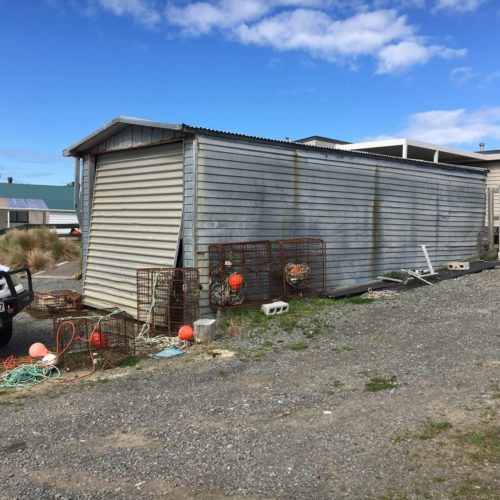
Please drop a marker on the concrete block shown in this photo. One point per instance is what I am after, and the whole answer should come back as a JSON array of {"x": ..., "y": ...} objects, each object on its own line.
[
  {"x": 205, "y": 330},
  {"x": 458, "y": 266},
  {"x": 274, "y": 308}
]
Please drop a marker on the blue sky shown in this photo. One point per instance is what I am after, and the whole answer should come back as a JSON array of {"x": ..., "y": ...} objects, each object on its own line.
[{"x": 351, "y": 70}]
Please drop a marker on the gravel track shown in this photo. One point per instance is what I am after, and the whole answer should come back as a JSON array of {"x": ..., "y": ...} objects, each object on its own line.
[{"x": 287, "y": 417}]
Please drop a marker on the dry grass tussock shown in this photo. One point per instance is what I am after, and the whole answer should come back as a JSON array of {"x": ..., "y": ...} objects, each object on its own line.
[
  {"x": 36, "y": 249},
  {"x": 38, "y": 260}
]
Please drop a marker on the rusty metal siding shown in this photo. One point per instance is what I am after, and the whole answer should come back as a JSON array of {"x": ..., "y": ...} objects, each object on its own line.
[
  {"x": 373, "y": 213},
  {"x": 136, "y": 216}
]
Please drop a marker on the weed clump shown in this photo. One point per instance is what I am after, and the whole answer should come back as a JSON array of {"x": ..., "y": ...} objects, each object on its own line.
[
  {"x": 36, "y": 249},
  {"x": 434, "y": 429},
  {"x": 376, "y": 384}
]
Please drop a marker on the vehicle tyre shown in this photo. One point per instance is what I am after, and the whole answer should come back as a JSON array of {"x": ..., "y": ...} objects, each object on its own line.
[{"x": 5, "y": 333}]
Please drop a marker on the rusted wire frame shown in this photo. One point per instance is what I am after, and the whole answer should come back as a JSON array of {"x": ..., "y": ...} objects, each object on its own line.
[
  {"x": 170, "y": 302},
  {"x": 262, "y": 265}
]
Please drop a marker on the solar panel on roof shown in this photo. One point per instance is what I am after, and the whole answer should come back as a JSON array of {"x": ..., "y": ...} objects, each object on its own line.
[
  {"x": 36, "y": 204},
  {"x": 17, "y": 203}
]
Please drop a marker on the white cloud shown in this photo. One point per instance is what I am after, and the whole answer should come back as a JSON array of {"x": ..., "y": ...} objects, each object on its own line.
[
  {"x": 457, "y": 126},
  {"x": 202, "y": 17},
  {"x": 309, "y": 26},
  {"x": 462, "y": 74},
  {"x": 458, "y": 5},
  {"x": 398, "y": 57},
  {"x": 317, "y": 33},
  {"x": 332, "y": 30},
  {"x": 143, "y": 11}
]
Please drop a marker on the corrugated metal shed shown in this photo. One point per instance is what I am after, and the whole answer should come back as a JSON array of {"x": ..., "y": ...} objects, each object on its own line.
[{"x": 373, "y": 211}]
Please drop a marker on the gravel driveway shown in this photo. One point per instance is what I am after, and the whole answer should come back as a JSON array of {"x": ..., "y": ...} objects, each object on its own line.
[{"x": 296, "y": 413}]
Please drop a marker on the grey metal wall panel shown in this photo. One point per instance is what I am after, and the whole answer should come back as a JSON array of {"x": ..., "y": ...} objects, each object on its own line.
[
  {"x": 134, "y": 136},
  {"x": 135, "y": 223},
  {"x": 493, "y": 180},
  {"x": 85, "y": 207},
  {"x": 188, "y": 259},
  {"x": 373, "y": 213}
]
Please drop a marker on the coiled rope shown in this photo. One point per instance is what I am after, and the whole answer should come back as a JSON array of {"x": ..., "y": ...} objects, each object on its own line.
[
  {"x": 297, "y": 275},
  {"x": 27, "y": 375}
]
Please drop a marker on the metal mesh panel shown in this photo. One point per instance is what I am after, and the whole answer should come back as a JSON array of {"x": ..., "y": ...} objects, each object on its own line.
[
  {"x": 259, "y": 271},
  {"x": 80, "y": 337},
  {"x": 167, "y": 298},
  {"x": 47, "y": 304},
  {"x": 302, "y": 265},
  {"x": 240, "y": 273}
]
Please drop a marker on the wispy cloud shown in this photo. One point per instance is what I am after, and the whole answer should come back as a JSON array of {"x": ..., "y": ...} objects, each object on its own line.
[
  {"x": 143, "y": 11},
  {"x": 338, "y": 31},
  {"x": 308, "y": 26},
  {"x": 457, "y": 126},
  {"x": 458, "y": 5},
  {"x": 462, "y": 75}
]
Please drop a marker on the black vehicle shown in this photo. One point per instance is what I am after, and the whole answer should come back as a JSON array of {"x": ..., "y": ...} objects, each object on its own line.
[{"x": 13, "y": 299}]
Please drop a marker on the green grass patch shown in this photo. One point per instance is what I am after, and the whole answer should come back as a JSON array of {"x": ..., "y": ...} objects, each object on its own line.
[
  {"x": 484, "y": 444},
  {"x": 434, "y": 429},
  {"x": 341, "y": 349},
  {"x": 399, "y": 438},
  {"x": 267, "y": 345},
  {"x": 396, "y": 275},
  {"x": 376, "y": 384},
  {"x": 298, "y": 346},
  {"x": 472, "y": 488},
  {"x": 300, "y": 315},
  {"x": 129, "y": 361}
]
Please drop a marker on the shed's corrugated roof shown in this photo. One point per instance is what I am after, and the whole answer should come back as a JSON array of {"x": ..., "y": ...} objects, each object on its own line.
[
  {"x": 122, "y": 121},
  {"x": 56, "y": 197}
]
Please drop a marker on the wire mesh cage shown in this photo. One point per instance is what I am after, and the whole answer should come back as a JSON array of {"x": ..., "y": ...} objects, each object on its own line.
[
  {"x": 240, "y": 274},
  {"x": 47, "y": 304},
  {"x": 259, "y": 271},
  {"x": 302, "y": 264},
  {"x": 167, "y": 298},
  {"x": 94, "y": 335}
]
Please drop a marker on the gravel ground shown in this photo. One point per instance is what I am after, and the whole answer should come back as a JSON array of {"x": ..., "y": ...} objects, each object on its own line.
[{"x": 288, "y": 416}]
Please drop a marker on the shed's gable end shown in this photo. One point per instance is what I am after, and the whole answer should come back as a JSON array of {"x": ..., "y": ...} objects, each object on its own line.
[{"x": 133, "y": 136}]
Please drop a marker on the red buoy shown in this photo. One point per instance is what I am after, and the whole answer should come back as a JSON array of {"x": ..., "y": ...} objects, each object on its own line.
[
  {"x": 98, "y": 340},
  {"x": 235, "y": 281},
  {"x": 38, "y": 350},
  {"x": 186, "y": 333}
]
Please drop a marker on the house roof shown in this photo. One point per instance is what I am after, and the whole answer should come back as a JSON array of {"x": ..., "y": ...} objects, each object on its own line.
[
  {"x": 55, "y": 197},
  {"x": 121, "y": 122}
]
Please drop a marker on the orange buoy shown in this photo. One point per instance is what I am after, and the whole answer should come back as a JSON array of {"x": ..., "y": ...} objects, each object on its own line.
[
  {"x": 186, "y": 333},
  {"x": 98, "y": 340},
  {"x": 38, "y": 350},
  {"x": 235, "y": 281}
]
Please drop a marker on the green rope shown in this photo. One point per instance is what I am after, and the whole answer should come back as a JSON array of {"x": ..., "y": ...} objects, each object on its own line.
[
  {"x": 146, "y": 327},
  {"x": 27, "y": 375}
]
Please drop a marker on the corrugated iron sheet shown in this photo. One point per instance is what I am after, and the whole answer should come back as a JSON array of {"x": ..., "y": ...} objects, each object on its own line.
[{"x": 136, "y": 216}]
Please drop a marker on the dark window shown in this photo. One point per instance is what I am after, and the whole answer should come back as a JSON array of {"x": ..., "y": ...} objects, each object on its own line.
[{"x": 19, "y": 216}]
